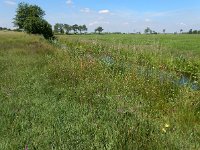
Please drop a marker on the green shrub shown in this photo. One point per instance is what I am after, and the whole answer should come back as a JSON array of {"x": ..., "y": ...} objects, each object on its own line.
[
  {"x": 35, "y": 25},
  {"x": 30, "y": 18}
]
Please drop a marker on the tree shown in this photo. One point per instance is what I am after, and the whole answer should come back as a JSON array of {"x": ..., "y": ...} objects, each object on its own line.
[
  {"x": 56, "y": 28},
  {"x": 190, "y": 31},
  {"x": 67, "y": 28},
  {"x": 75, "y": 27},
  {"x": 154, "y": 32},
  {"x": 84, "y": 28},
  {"x": 30, "y": 18},
  {"x": 25, "y": 11},
  {"x": 195, "y": 32},
  {"x": 99, "y": 29},
  {"x": 80, "y": 28},
  {"x": 62, "y": 31},
  {"x": 35, "y": 25},
  {"x": 148, "y": 31},
  {"x": 164, "y": 30},
  {"x": 59, "y": 28}
]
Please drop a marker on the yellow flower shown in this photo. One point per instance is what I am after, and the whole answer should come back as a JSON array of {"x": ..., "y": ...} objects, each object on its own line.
[
  {"x": 167, "y": 125},
  {"x": 164, "y": 130}
]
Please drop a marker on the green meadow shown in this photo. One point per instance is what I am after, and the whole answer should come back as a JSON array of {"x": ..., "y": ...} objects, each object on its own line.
[{"x": 112, "y": 92}]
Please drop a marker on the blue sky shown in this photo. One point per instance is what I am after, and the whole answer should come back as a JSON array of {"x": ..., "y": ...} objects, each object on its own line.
[{"x": 114, "y": 15}]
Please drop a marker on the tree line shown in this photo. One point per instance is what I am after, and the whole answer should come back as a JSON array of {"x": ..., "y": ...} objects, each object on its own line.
[
  {"x": 191, "y": 31},
  {"x": 3, "y": 28},
  {"x": 8, "y": 29},
  {"x": 66, "y": 28},
  {"x": 60, "y": 28}
]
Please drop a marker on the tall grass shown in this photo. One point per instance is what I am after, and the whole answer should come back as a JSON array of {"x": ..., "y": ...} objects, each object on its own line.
[{"x": 92, "y": 96}]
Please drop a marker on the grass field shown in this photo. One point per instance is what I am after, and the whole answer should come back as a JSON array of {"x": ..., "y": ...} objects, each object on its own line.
[{"x": 99, "y": 92}]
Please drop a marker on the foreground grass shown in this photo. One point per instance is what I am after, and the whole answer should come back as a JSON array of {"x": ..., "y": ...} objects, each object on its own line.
[{"x": 75, "y": 97}]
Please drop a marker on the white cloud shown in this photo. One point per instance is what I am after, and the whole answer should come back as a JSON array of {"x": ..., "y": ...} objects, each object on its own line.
[
  {"x": 126, "y": 23},
  {"x": 9, "y": 2},
  {"x": 105, "y": 11},
  {"x": 69, "y": 2},
  {"x": 93, "y": 23},
  {"x": 147, "y": 20},
  {"x": 160, "y": 14},
  {"x": 85, "y": 10},
  {"x": 99, "y": 23},
  {"x": 183, "y": 24},
  {"x": 106, "y": 22}
]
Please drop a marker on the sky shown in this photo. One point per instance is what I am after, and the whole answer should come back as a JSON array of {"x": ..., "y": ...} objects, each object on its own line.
[{"x": 114, "y": 15}]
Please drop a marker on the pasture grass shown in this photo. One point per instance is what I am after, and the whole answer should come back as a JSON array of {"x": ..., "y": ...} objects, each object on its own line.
[{"x": 98, "y": 92}]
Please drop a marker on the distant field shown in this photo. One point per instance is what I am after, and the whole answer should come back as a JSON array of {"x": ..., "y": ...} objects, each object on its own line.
[
  {"x": 99, "y": 92},
  {"x": 181, "y": 42}
]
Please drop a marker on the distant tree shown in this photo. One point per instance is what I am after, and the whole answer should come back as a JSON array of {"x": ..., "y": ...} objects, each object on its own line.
[
  {"x": 115, "y": 33},
  {"x": 25, "y": 11},
  {"x": 154, "y": 32},
  {"x": 80, "y": 28},
  {"x": 195, "y": 32},
  {"x": 75, "y": 27},
  {"x": 67, "y": 28},
  {"x": 5, "y": 29},
  {"x": 164, "y": 30},
  {"x": 62, "y": 31},
  {"x": 99, "y": 29},
  {"x": 190, "y": 31},
  {"x": 59, "y": 28},
  {"x": 148, "y": 31},
  {"x": 84, "y": 28}
]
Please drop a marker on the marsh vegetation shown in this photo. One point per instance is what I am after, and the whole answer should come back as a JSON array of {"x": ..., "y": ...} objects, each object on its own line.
[{"x": 88, "y": 92}]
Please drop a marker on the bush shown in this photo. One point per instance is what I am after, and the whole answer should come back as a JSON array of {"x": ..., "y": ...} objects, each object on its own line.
[
  {"x": 35, "y": 25},
  {"x": 30, "y": 19}
]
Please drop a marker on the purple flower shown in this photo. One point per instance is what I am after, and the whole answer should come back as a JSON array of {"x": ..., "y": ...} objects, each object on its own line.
[{"x": 26, "y": 147}]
